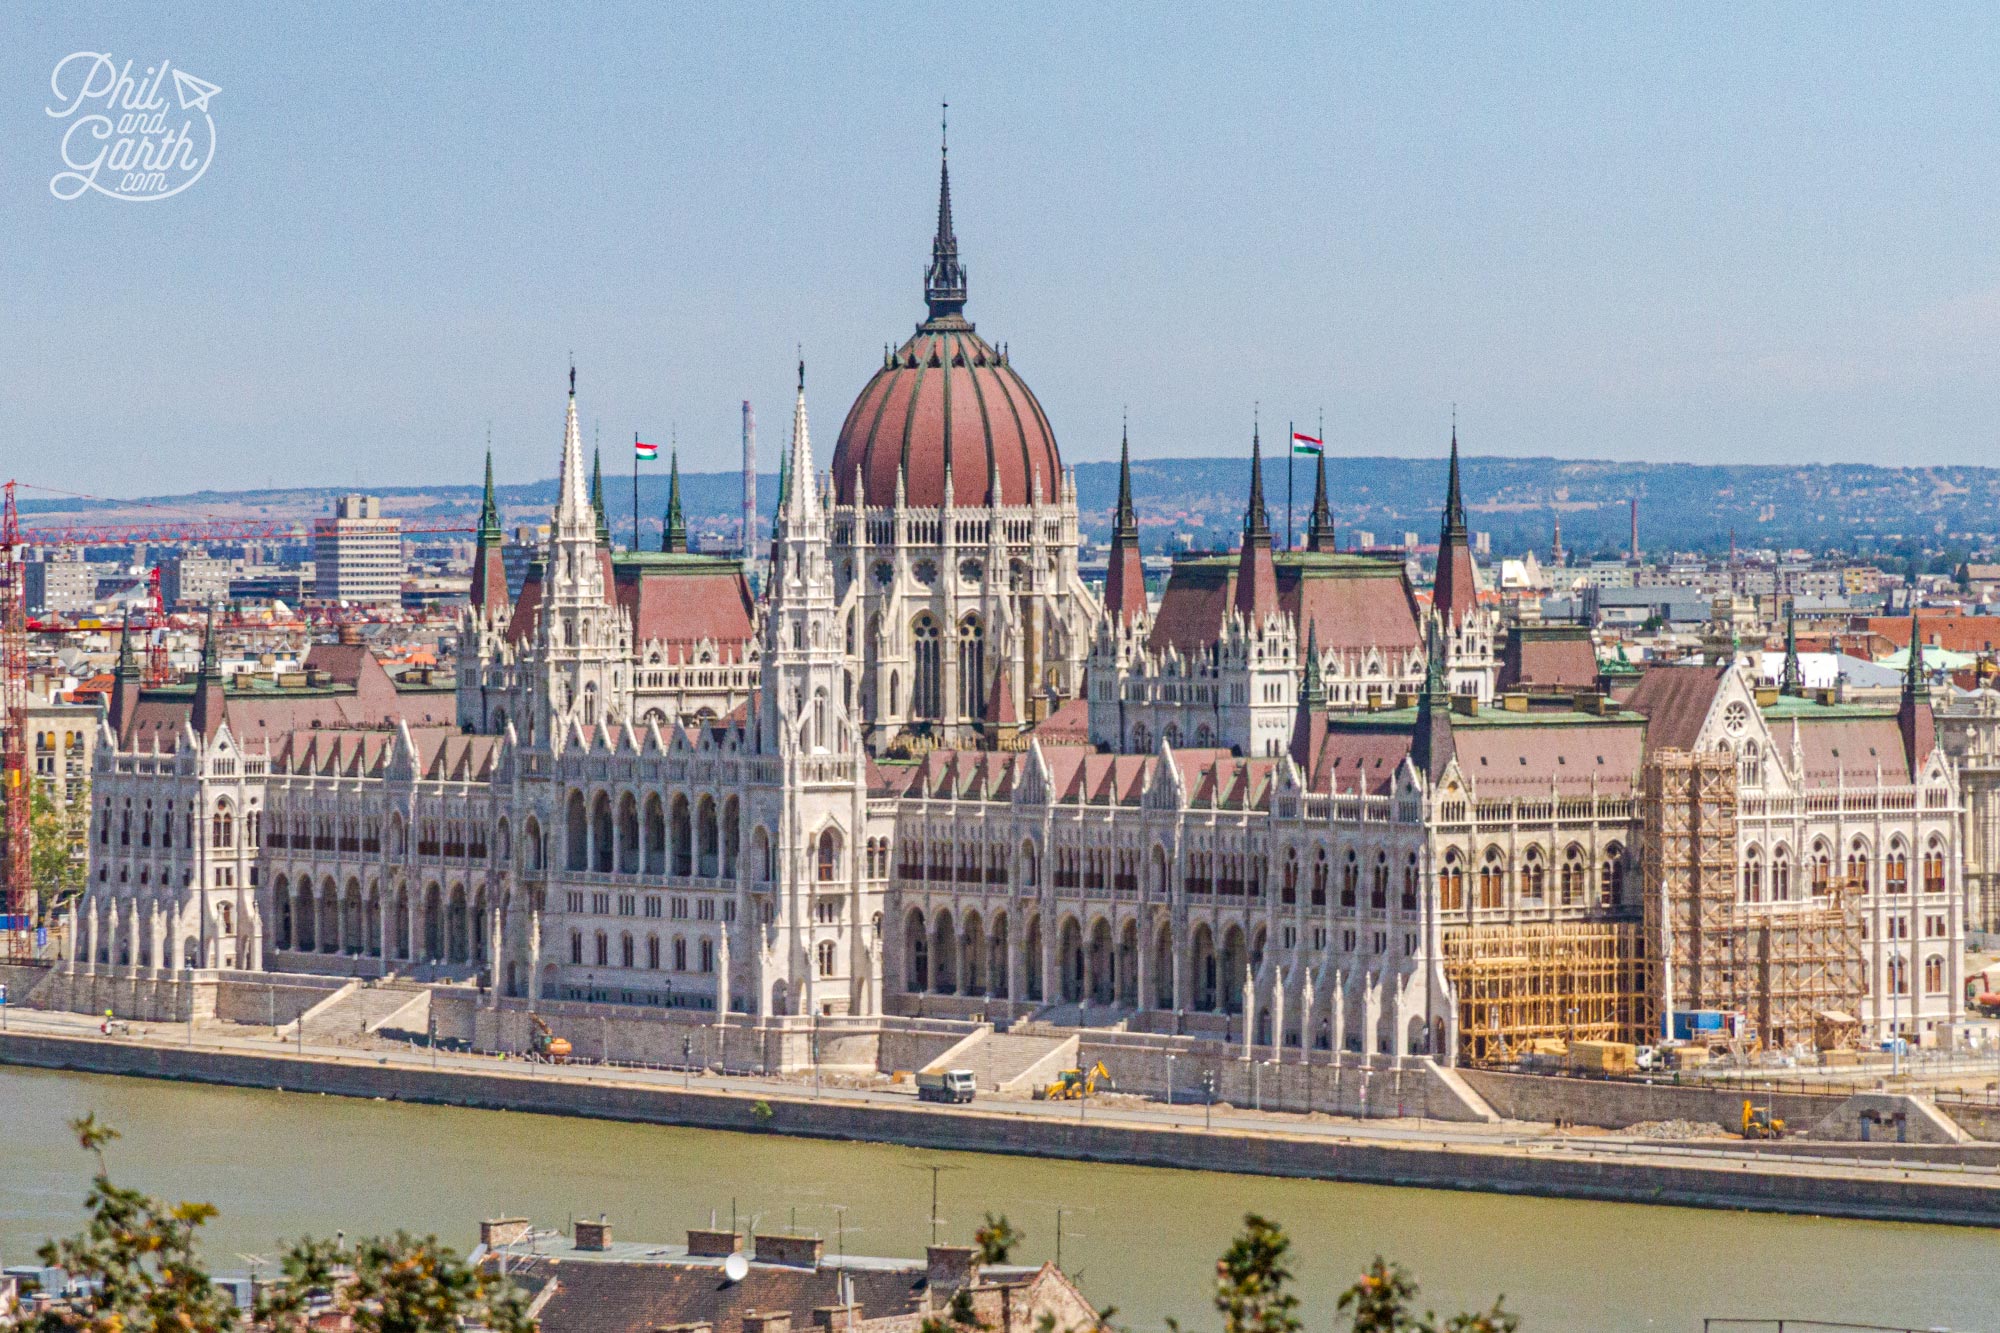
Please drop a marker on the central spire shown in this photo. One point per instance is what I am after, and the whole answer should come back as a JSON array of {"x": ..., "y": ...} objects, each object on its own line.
[
  {"x": 944, "y": 281},
  {"x": 489, "y": 510}
]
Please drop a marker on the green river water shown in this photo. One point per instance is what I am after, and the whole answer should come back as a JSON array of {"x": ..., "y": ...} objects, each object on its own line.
[{"x": 279, "y": 1165}]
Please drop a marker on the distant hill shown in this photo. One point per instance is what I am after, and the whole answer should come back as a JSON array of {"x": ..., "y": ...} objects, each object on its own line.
[{"x": 1682, "y": 506}]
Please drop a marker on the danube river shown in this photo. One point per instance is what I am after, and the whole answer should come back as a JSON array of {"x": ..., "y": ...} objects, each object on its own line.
[{"x": 279, "y": 1165}]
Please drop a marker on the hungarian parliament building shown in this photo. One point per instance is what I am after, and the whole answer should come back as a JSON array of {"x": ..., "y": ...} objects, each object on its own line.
[{"x": 927, "y": 773}]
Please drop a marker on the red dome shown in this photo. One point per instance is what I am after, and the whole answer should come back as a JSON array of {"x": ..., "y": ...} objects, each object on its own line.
[{"x": 947, "y": 399}]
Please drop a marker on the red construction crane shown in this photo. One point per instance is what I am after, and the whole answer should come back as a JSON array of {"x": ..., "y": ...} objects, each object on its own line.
[{"x": 18, "y": 899}]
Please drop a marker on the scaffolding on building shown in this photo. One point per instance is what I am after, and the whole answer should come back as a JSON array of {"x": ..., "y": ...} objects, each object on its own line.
[
  {"x": 1793, "y": 970},
  {"x": 1544, "y": 982}
]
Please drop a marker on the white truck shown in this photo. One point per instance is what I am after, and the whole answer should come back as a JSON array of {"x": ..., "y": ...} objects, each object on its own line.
[{"x": 945, "y": 1085}]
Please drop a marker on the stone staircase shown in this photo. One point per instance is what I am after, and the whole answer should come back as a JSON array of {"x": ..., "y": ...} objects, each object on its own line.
[
  {"x": 1011, "y": 1061},
  {"x": 355, "y": 1013}
]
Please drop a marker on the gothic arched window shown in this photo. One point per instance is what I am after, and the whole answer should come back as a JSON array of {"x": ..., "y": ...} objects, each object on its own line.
[
  {"x": 971, "y": 667},
  {"x": 925, "y": 698}
]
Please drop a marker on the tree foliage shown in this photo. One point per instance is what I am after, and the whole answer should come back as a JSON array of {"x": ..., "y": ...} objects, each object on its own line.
[
  {"x": 138, "y": 1257},
  {"x": 54, "y": 835},
  {"x": 996, "y": 1239},
  {"x": 1382, "y": 1299}
]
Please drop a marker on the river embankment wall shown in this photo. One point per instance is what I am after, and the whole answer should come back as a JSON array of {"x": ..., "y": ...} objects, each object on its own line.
[{"x": 1919, "y": 1197}]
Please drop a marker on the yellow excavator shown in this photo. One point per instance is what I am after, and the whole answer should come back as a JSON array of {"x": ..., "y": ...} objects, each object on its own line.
[
  {"x": 1759, "y": 1123},
  {"x": 546, "y": 1043},
  {"x": 1074, "y": 1083}
]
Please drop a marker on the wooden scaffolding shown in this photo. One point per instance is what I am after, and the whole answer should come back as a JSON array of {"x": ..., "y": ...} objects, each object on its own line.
[
  {"x": 1784, "y": 966},
  {"x": 1544, "y": 981}
]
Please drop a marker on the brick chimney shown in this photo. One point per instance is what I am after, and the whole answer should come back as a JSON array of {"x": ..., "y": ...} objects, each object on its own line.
[
  {"x": 949, "y": 1267},
  {"x": 767, "y": 1321},
  {"x": 712, "y": 1244},
  {"x": 791, "y": 1251},
  {"x": 594, "y": 1235},
  {"x": 499, "y": 1231}
]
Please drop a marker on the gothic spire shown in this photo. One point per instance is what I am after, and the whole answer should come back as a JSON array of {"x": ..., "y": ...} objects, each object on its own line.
[
  {"x": 1256, "y": 578},
  {"x": 1127, "y": 518},
  {"x": 1312, "y": 690},
  {"x": 573, "y": 499},
  {"x": 1916, "y": 683},
  {"x": 674, "y": 540},
  {"x": 800, "y": 505},
  {"x": 1256, "y": 517},
  {"x": 127, "y": 664},
  {"x": 1454, "y": 502},
  {"x": 944, "y": 281},
  {"x": 597, "y": 497},
  {"x": 1791, "y": 680},
  {"x": 1432, "y": 745},
  {"x": 1319, "y": 528},
  {"x": 489, "y": 511}
]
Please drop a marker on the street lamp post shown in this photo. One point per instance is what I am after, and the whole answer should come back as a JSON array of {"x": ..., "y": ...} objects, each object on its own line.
[{"x": 1170, "y": 1069}]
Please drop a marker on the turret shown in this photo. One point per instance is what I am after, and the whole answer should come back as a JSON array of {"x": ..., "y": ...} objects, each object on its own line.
[
  {"x": 1256, "y": 579},
  {"x": 1432, "y": 746},
  {"x": 1456, "y": 591},
  {"x": 208, "y": 697},
  {"x": 1125, "y": 581},
  {"x": 1913, "y": 713},
  {"x": 674, "y": 539},
  {"x": 1319, "y": 527},
  {"x": 124, "y": 682},
  {"x": 489, "y": 566}
]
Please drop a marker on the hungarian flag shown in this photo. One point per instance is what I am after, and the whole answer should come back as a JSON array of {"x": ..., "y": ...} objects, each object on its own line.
[
  {"x": 1306, "y": 444},
  {"x": 646, "y": 452}
]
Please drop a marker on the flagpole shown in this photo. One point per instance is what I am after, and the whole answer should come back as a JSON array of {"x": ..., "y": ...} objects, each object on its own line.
[
  {"x": 635, "y": 492},
  {"x": 1290, "y": 445}
]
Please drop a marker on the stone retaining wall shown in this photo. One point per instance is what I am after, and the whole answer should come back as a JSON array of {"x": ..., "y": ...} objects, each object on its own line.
[{"x": 1968, "y": 1202}]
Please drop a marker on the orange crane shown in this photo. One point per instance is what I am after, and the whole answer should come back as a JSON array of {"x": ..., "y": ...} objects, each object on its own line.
[{"x": 18, "y": 900}]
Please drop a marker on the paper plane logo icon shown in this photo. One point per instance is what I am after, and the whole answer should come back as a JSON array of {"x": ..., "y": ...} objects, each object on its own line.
[{"x": 194, "y": 93}]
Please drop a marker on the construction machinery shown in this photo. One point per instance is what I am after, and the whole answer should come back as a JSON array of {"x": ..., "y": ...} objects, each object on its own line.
[
  {"x": 545, "y": 1043},
  {"x": 1759, "y": 1123},
  {"x": 1071, "y": 1084}
]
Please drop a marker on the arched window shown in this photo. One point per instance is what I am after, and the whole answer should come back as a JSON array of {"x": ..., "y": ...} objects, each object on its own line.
[
  {"x": 576, "y": 947},
  {"x": 625, "y": 956},
  {"x": 680, "y": 953},
  {"x": 924, "y": 697},
  {"x": 1575, "y": 878},
  {"x": 1611, "y": 877},
  {"x": 826, "y": 954},
  {"x": 1857, "y": 866},
  {"x": 829, "y": 856},
  {"x": 1451, "y": 883},
  {"x": 1410, "y": 881},
  {"x": 1822, "y": 870},
  {"x": 653, "y": 953},
  {"x": 1492, "y": 881},
  {"x": 1288, "y": 888},
  {"x": 1899, "y": 975},
  {"x": 224, "y": 826},
  {"x": 1753, "y": 876},
  {"x": 1934, "y": 867},
  {"x": 1896, "y": 870},
  {"x": 1781, "y": 874},
  {"x": 1934, "y": 975},
  {"x": 971, "y": 667},
  {"x": 1534, "y": 875},
  {"x": 708, "y": 955},
  {"x": 1350, "y": 879},
  {"x": 1378, "y": 888}
]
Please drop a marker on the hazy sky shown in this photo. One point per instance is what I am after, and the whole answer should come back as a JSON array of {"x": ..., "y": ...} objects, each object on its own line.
[{"x": 1727, "y": 233}]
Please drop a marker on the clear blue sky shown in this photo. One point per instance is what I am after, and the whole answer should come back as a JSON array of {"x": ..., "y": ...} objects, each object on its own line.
[{"x": 1712, "y": 233}]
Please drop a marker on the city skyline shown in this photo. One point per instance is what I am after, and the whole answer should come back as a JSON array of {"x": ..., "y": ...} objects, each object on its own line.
[{"x": 1703, "y": 239}]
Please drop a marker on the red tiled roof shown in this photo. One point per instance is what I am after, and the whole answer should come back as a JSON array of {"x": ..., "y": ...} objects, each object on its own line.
[
  {"x": 1353, "y": 603},
  {"x": 1958, "y": 634},
  {"x": 1675, "y": 701}
]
